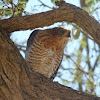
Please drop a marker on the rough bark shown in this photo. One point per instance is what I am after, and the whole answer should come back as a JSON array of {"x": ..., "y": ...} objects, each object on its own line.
[
  {"x": 66, "y": 12},
  {"x": 17, "y": 83}
]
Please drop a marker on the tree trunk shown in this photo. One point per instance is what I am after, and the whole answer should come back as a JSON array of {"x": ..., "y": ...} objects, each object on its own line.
[{"x": 17, "y": 83}]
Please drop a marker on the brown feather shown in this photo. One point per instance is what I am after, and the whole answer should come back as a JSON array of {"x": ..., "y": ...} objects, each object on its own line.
[{"x": 45, "y": 50}]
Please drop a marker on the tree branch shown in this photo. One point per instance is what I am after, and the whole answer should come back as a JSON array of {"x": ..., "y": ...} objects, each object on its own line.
[
  {"x": 66, "y": 12},
  {"x": 17, "y": 83}
]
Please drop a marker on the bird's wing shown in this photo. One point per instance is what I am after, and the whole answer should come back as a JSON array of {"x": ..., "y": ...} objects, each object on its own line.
[
  {"x": 31, "y": 38},
  {"x": 30, "y": 42},
  {"x": 55, "y": 73}
]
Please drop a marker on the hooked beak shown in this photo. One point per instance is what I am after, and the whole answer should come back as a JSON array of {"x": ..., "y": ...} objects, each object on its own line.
[{"x": 69, "y": 34}]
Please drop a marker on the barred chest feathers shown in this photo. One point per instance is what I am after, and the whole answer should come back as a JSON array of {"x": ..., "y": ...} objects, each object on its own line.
[
  {"x": 45, "y": 50},
  {"x": 45, "y": 62}
]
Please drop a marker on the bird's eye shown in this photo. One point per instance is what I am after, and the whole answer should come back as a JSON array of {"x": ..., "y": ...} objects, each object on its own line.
[{"x": 62, "y": 32}]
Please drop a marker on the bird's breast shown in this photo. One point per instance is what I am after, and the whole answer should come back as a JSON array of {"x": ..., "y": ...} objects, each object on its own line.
[
  {"x": 50, "y": 61},
  {"x": 45, "y": 62}
]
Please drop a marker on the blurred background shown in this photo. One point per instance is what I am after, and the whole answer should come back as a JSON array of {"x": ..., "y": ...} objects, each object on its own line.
[{"x": 80, "y": 67}]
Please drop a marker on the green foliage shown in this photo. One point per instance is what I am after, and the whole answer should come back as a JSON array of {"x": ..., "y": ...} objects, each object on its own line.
[
  {"x": 91, "y": 2},
  {"x": 90, "y": 5},
  {"x": 55, "y": 0},
  {"x": 10, "y": 9},
  {"x": 77, "y": 34}
]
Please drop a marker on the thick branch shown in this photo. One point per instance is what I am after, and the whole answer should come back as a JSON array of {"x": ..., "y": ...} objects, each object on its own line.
[
  {"x": 66, "y": 12},
  {"x": 16, "y": 83}
]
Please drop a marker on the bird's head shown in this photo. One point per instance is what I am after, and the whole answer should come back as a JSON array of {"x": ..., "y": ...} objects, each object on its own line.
[
  {"x": 59, "y": 36},
  {"x": 55, "y": 37},
  {"x": 60, "y": 32}
]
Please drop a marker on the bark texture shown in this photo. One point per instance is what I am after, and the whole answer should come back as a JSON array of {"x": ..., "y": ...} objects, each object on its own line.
[
  {"x": 65, "y": 12},
  {"x": 16, "y": 82}
]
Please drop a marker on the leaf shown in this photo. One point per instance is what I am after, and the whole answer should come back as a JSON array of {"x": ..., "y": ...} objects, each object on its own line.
[
  {"x": 87, "y": 1},
  {"x": 55, "y": 1},
  {"x": 76, "y": 36},
  {"x": 92, "y": 2},
  {"x": 83, "y": 43}
]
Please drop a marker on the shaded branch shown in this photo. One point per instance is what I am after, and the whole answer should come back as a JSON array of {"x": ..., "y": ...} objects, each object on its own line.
[{"x": 66, "y": 12}]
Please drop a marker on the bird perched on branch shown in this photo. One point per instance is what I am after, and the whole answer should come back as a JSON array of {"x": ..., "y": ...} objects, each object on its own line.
[{"x": 45, "y": 50}]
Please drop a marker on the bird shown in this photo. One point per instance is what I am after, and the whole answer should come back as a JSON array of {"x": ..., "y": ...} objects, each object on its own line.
[{"x": 45, "y": 50}]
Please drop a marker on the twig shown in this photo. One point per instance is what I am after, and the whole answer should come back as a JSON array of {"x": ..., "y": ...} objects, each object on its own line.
[
  {"x": 45, "y": 4},
  {"x": 13, "y": 8},
  {"x": 5, "y": 4}
]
